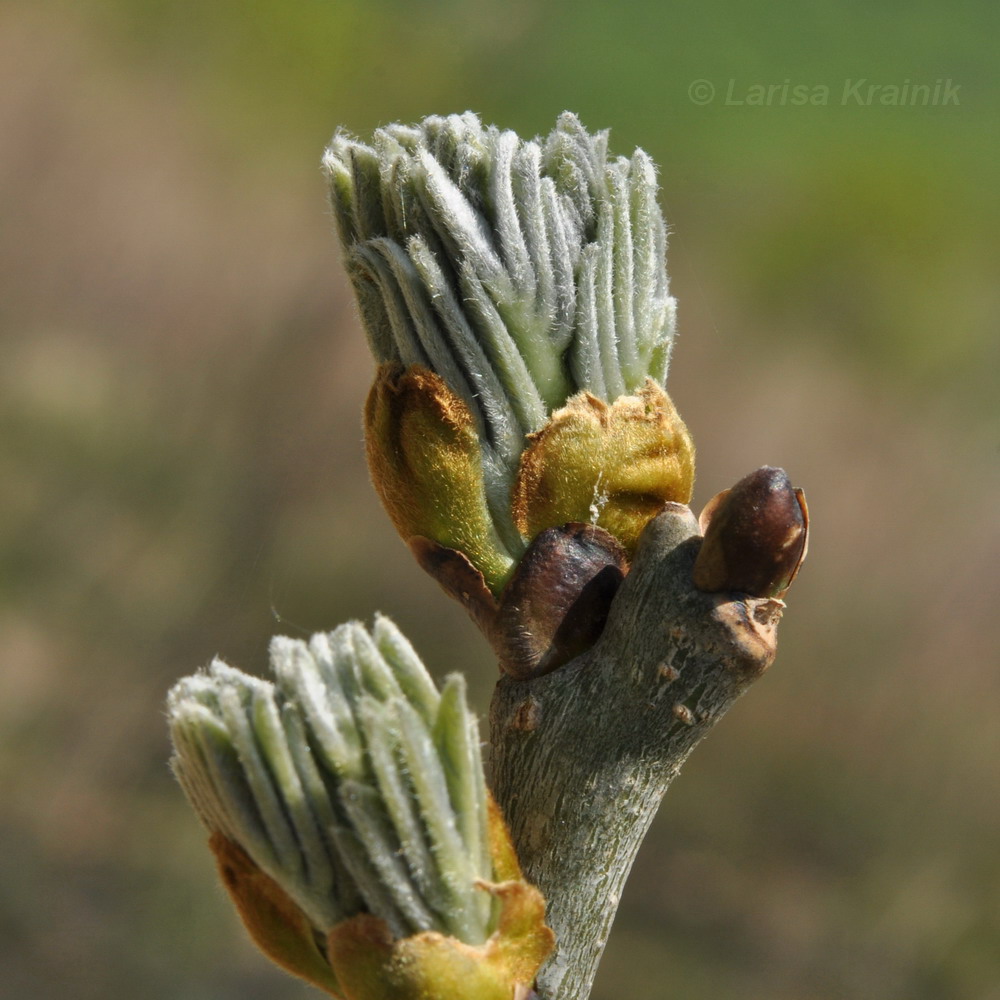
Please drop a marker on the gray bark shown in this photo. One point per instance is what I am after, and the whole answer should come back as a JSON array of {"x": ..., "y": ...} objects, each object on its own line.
[{"x": 582, "y": 756}]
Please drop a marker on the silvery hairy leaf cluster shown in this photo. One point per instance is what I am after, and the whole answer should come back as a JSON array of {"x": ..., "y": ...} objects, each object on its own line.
[
  {"x": 520, "y": 271},
  {"x": 350, "y": 780}
]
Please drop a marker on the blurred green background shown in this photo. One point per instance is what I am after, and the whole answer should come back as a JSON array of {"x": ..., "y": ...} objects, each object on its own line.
[{"x": 181, "y": 472}]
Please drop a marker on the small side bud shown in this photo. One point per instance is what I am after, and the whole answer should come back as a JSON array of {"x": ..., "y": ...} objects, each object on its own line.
[{"x": 756, "y": 536}]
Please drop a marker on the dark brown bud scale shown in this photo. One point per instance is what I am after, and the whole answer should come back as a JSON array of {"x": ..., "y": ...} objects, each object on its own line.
[
  {"x": 756, "y": 536},
  {"x": 556, "y": 603}
]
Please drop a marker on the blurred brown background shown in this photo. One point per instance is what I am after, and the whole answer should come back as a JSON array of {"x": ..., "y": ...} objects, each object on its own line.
[{"x": 181, "y": 472}]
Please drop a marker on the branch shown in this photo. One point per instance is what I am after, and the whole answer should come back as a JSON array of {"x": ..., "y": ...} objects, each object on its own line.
[
  {"x": 582, "y": 756},
  {"x": 518, "y": 432}
]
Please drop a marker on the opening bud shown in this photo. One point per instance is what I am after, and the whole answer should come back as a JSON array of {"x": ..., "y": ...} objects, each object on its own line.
[{"x": 349, "y": 816}]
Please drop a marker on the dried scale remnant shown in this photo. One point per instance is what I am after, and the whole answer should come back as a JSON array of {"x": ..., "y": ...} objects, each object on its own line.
[
  {"x": 515, "y": 296},
  {"x": 349, "y": 816}
]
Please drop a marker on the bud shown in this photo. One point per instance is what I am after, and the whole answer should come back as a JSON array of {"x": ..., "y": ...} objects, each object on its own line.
[
  {"x": 350, "y": 819},
  {"x": 515, "y": 296},
  {"x": 756, "y": 535}
]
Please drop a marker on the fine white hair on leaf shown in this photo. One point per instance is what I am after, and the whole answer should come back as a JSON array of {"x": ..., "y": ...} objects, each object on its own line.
[
  {"x": 352, "y": 781},
  {"x": 520, "y": 271}
]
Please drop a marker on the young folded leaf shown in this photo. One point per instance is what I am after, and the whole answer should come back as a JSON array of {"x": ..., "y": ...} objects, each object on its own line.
[{"x": 350, "y": 819}]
